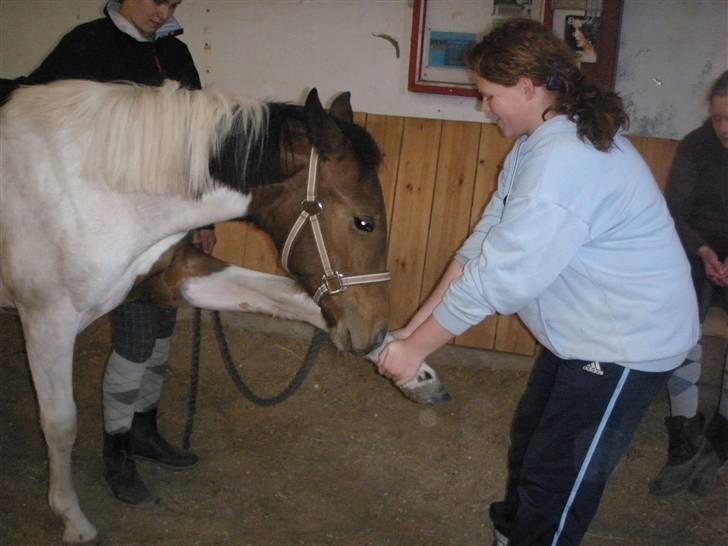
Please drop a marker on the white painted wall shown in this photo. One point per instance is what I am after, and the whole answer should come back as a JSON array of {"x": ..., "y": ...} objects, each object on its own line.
[
  {"x": 280, "y": 48},
  {"x": 669, "y": 53}
]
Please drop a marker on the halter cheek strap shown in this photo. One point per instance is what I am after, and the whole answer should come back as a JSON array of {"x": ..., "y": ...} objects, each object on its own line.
[{"x": 332, "y": 281}]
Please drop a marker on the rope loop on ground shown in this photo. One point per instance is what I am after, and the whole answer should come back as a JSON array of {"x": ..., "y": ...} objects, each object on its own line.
[{"x": 317, "y": 341}]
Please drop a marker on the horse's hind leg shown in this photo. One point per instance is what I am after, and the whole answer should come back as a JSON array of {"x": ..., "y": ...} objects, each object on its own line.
[{"x": 49, "y": 339}]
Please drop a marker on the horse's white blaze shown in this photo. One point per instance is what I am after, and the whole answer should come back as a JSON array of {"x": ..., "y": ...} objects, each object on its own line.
[{"x": 236, "y": 288}]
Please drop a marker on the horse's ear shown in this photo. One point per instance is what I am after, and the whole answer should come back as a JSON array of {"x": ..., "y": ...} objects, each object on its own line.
[
  {"x": 322, "y": 129},
  {"x": 341, "y": 108}
]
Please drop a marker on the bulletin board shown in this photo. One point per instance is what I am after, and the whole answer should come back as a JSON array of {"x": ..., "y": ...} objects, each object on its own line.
[{"x": 443, "y": 31}]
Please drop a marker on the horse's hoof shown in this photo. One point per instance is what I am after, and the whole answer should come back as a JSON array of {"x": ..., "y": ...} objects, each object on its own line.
[
  {"x": 426, "y": 388},
  {"x": 88, "y": 538}
]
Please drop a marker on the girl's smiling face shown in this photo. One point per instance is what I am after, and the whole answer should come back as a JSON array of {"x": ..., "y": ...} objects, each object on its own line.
[{"x": 507, "y": 106}]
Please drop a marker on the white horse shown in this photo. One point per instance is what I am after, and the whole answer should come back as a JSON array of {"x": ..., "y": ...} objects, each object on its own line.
[{"x": 99, "y": 183}]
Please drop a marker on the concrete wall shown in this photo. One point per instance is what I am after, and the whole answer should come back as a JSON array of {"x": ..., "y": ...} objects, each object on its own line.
[{"x": 669, "y": 51}]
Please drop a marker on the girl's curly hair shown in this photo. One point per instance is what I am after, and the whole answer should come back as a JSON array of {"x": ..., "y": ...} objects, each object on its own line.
[{"x": 524, "y": 48}]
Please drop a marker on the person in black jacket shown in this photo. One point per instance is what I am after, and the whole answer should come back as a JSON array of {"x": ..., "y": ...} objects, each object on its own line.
[
  {"x": 697, "y": 194},
  {"x": 135, "y": 42}
]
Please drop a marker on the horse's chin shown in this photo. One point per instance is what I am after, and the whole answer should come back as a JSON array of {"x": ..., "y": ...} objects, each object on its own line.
[
  {"x": 357, "y": 319},
  {"x": 343, "y": 340}
]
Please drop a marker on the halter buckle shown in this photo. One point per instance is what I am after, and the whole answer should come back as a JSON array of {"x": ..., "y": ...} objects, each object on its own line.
[
  {"x": 334, "y": 283},
  {"x": 311, "y": 208}
]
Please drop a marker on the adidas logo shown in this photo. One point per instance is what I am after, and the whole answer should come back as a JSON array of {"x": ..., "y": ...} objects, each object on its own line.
[{"x": 593, "y": 367}]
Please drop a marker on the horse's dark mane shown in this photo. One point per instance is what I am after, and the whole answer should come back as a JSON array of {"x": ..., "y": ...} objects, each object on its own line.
[
  {"x": 245, "y": 166},
  {"x": 242, "y": 164},
  {"x": 364, "y": 146}
]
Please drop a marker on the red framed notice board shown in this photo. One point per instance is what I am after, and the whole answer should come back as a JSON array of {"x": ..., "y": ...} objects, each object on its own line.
[{"x": 442, "y": 32}]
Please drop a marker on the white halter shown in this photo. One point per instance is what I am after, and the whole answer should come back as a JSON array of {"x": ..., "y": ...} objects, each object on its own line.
[{"x": 332, "y": 282}]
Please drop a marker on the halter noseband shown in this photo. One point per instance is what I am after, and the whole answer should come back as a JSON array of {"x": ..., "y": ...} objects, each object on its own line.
[{"x": 332, "y": 282}]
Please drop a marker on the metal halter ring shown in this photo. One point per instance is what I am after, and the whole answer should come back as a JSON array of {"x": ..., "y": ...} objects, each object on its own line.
[{"x": 312, "y": 208}]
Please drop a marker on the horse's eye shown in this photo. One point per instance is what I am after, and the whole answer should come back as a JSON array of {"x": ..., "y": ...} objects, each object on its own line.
[{"x": 364, "y": 224}]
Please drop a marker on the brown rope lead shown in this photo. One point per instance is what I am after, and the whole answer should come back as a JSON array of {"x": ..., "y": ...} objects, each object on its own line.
[{"x": 319, "y": 338}]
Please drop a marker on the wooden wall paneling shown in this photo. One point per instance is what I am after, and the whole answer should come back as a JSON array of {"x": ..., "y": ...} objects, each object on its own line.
[
  {"x": 513, "y": 337},
  {"x": 491, "y": 153},
  {"x": 261, "y": 254},
  {"x": 510, "y": 334},
  {"x": 360, "y": 118},
  {"x": 453, "y": 195},
  {"x": 387, "y": 133},
  {"x": 231, "y": 241},
  {"x": 658, "y": 154},
  {"x": 411, "y": 216}
]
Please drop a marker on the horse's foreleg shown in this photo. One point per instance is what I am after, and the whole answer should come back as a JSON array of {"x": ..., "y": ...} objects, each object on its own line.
[
  {"x": 210, "y": 283},
  {"x": 239, "y": 289},
  {"x": 49, "y": 339}
]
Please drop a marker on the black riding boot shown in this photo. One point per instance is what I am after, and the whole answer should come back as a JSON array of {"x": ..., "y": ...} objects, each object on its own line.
[
  {"x": 716, "y": 434},
  {"x": 689, "y": 457},
  {"x": 121, "y": 474},
  {"x": 149, "y": 445}
]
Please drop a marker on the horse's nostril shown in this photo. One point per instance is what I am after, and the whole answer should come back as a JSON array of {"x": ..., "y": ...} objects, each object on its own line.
[{"x": 379, "y": 339}]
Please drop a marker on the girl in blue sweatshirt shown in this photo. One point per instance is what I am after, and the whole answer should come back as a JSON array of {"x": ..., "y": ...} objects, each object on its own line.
[{"x": 578, "y": 241}]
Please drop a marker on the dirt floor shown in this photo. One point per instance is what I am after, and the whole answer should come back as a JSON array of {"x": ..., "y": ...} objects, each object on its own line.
[{"x": 347, "y": 461}]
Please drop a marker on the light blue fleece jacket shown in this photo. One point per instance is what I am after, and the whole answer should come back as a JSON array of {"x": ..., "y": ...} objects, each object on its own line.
[{"x": 581, "y": 245}]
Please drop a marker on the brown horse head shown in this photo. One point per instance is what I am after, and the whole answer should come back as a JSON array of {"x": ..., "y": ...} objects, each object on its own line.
[{"x": 348, "y": 206}]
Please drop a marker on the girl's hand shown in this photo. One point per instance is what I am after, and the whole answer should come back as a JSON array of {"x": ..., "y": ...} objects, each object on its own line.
[
  {"x": 204, "y": 239},
  {"x": 402, "y": 333},
  {"x": 399, "y": 362}
]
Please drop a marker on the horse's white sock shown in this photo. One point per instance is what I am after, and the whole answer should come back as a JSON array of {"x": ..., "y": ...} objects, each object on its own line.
[
  {"x": 682, "y": 386},
  {"x": 156, "y": 366}
]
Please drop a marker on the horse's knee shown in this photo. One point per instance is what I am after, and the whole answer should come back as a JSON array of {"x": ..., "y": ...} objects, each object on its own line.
[{"x": 59, "y": 427}]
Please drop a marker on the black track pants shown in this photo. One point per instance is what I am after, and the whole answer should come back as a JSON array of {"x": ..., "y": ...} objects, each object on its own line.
[{"x": 572, "y": 426}]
